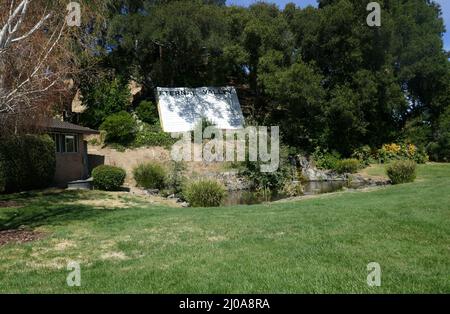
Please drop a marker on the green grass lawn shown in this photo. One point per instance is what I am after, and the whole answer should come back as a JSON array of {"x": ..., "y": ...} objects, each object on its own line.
[
  {"x": 376, "y": 170},
  {"x": 311, "y": 246}
]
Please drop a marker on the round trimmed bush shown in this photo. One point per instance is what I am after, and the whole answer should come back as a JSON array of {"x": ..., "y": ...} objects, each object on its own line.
[
  {"x": 401, "y": 171},
  {"x": 204, "y": 193},
  {"x": 347, "y": 166},
  {"x": 108, "y": 178},
  {"x": 150, "y": 175},
  {"x": 120, "y": 128}
]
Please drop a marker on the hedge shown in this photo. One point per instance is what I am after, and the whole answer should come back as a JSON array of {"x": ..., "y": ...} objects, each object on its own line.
[
  {"x": 26, "y": 162},
  {"x": 120, "y": 128},
  {"x": 108, "y": 178}
]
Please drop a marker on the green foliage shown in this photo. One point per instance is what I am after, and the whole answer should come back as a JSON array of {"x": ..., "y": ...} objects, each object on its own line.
[
  {"x": 420, "y": 156},
  {"x": 120, "y": 128},
  {"x": 292, "y": 189},
  {"x": 389, "y": 152},
  {"x": 401, "y": 171},
  {"x": 152, "y": 135},
  {"x": 268, "y": 181},
  {"x": 202, "y": 124},
  {"x": 179, "y": 42},
  {"x": 147, "y": 112},
  {"x": 439, "y": 148},
  {"x": 324, "y": 77},
  {"x": 440, "y": 151},
  {"x": 204, "y": 193},
  {"x": 364, "y": 154},
  {"x": 108, "y": 178},
  {"x": 324, "y": 159},
  {"x": 175, "y": 178},
  {"x": 41, "y": 154},
  {"x": 2, "y": 181},
  {"x": 26, "y": 162},
  {"x": 272, "y": 181},
  {"x": 347, "y": 166},
  {"x": 94, "y": 141},
  {"x": 150, "y": 175},
  {"x": 299, "y": 97},
  {"x": 102, "y": 99},
  {"x": 418, "y": 131}
]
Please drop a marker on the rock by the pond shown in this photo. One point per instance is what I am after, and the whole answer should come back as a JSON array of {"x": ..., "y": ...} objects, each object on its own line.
[
  {"x": 173, "y": 197},
  {"x": 311, "y": 173},
  {"x": 152, "y": 191},
  {"x": 184, "y": 204},
  {"x": 359, "y": 179},
  {"x": 230, "y": 179}
]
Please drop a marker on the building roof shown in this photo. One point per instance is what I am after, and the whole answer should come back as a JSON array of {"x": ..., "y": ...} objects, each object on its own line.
[{"x": 62, "y": 126}]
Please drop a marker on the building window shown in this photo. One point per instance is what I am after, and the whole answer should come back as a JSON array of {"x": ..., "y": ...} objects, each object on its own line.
[
  {"x": 70, "y": 144},
  {"x": 65, "y": 143}
]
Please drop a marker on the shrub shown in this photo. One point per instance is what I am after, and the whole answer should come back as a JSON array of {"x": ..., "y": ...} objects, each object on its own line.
[
  {"x": 94, "y": 141},
  {"x": 363, "y": 154},
  {"x": 440, "y": 148},
  {"x": 152, "y": 135},
  {"x": 419, "y": 156},
  {"x": 401, "y": 171},
  {"x": 175, "y": 178},
  {"x": 272, "y": 181},
  {"x": 108, "y": 178},
  {"x": 292, "y": 189},
  {"x": 41, "y": 152},
  {"x": 2, "y": 181},
  {"x": 147, "y": 112},
  {"x": 439, "y": 151},
  {"x": 26, "y": 162},
  {"x": 204, "y": 193},
  {"x": 389, "y": 152},
  {"x": 202, "y": 125},
  {"x": 347, "y": 166},
  {"x": 324, "y": 159},
  {"x": 268, "y": 181},
  {"x": 120, "y": 128},
  {"x": 150, "y": 175},
  {"x": 103, "y": 98}
]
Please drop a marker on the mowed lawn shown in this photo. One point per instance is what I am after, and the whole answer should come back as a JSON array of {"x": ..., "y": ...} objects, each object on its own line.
[{"x": 310, "y": 246}]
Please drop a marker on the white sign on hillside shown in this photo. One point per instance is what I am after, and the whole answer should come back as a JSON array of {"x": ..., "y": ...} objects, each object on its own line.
[{"x": 180, "y": 109}]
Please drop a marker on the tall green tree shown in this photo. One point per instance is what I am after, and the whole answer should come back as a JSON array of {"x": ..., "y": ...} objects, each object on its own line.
[
  {"x": 103, "y": 98},
  {"x": 322, "y": 74}
]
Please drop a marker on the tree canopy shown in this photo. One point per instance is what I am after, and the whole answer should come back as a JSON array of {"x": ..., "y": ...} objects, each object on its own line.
[{"x": 322, "y": 74}]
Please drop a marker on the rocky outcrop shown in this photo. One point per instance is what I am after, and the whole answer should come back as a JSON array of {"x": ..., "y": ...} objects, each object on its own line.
[
  {"x": 357, "y": 179},
  {"x": 311, "y": 173},
  {"x": 231, "y": 180}
]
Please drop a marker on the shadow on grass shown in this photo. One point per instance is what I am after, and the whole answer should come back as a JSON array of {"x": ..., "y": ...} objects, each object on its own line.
[{"x": 46, "y": 208}]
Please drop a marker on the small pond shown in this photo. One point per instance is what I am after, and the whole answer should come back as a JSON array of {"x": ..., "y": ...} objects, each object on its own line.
[{"x": 310, "y": 188}]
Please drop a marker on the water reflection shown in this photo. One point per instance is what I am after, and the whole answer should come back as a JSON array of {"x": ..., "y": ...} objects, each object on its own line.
[{"x": 310, "y": 188}]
